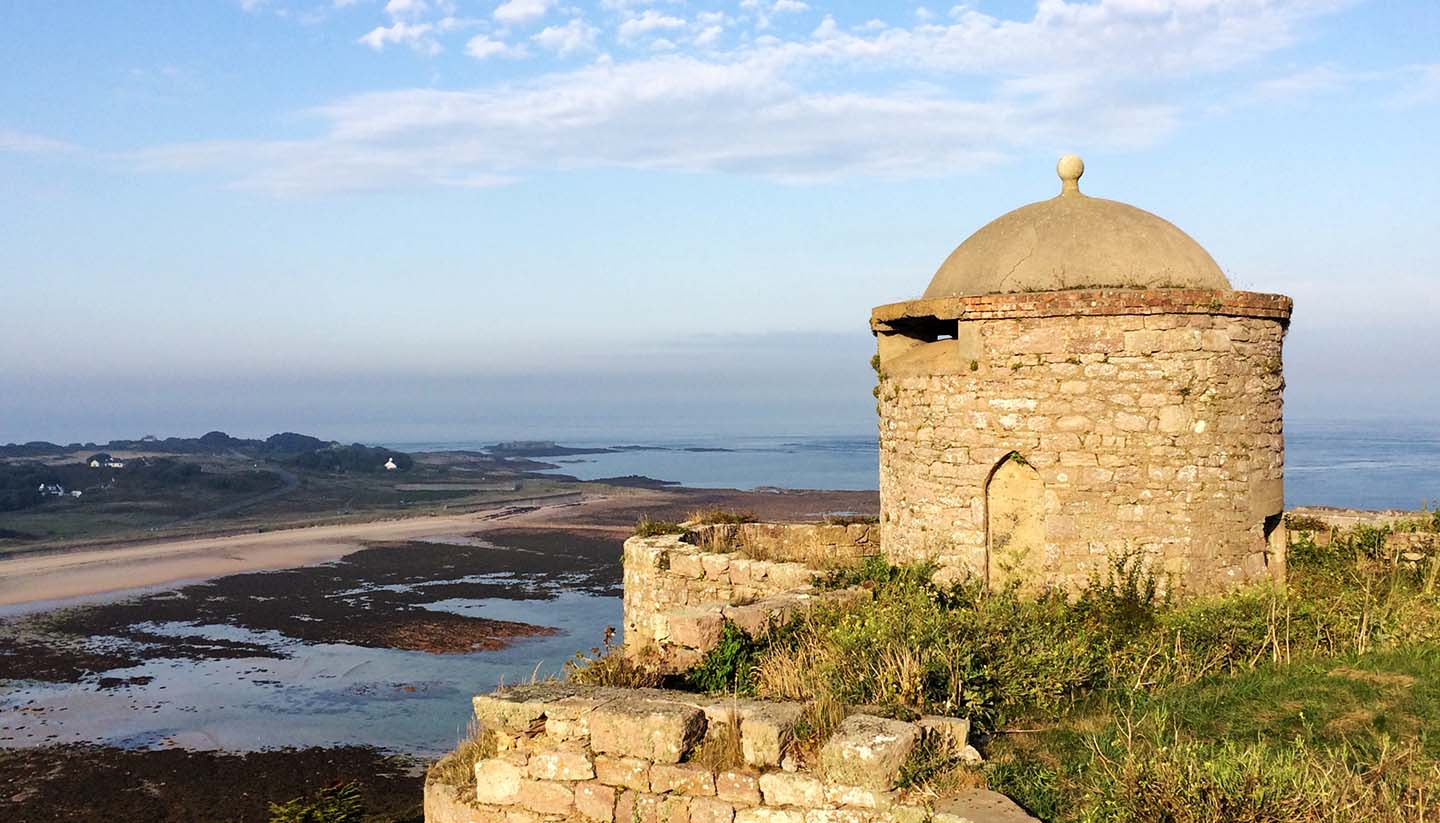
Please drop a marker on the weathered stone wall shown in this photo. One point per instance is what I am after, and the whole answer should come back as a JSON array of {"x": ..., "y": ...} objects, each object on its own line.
[
  {"x": 679, "y": 589},
  {"x": 1349, "y": 518},
  {"x": 564, "y": 752},
  {"x": 1151, "y": 420},
  {"x": 818, "y": 545}
]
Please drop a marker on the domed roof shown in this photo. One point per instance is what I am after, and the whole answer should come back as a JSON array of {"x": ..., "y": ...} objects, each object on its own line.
[{"x": 1072, "y": 241}]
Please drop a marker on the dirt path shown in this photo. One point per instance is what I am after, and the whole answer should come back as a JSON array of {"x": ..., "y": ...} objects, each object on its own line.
[{"x": 57, "y": 576}]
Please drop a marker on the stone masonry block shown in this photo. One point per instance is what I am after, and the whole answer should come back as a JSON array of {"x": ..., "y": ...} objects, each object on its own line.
[
  {"x": 979, "y": 806},
  {"x": 696, "y": 628},
  {"x": 764, "y": 815},
  {"x": 843, "y": 816},
  {"x": 545, "y": 797},
  {"x": 685, "y": 564},
  {"x": 595, "y": 801},
  {"x": 638, "y": 807},
  {"x": 717, "y": 567},
  {"x": 657, "y": 730},
  {"x": 867, "y": 751},
  {"x": 765, "y": 731},
  {"x": 682, "y": 778},
  {"x": 497, "y": 781},
  {"x": 561, "y": 765},
  {"x": 837, "y": 795},
  {"x": 629, "y": 772},
  {"x": 955, "y": 731},
  {"x": 785, "y": 789},
  {"x": 710, "y": 810},
  {"x": 738, "y": 787}
]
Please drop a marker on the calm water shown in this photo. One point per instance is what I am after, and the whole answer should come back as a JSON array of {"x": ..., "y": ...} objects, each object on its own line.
[{"x": 1371, "y": 465}]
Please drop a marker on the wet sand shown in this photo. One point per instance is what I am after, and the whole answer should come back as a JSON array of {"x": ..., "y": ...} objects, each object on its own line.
[{"x": 61, "y": 575}]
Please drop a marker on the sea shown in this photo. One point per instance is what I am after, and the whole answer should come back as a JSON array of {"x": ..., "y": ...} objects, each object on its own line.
[{"x": 1372, "y": 464}]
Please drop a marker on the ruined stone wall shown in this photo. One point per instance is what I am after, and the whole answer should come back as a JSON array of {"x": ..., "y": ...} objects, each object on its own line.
[
  {"x": 679, "y": 589},
  {"x": 575, "y": 753},
  {"x": 1145, "y": 422}
]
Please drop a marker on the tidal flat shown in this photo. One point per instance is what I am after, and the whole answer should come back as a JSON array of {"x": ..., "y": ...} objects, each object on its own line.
[{"x": 181, "y": 703}]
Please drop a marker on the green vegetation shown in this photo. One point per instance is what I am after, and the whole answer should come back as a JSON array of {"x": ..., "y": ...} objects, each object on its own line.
[
  {"x": 714, "y": 517},
  {"x": 646, "y": 527},
  {"x": 458, "y": 767},
  {"x": 352, "y": 458},
  {"x": 729, "y": 667},
  {"x": 218, "y": 483},
  {"x": 609, "y": 665},
  {"x": 1320, "y": 701},
  {"x": 334, "y": 804}
]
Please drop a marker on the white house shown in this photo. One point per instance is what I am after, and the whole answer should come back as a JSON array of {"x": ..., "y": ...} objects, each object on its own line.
[
  {"x": 52, "y": 489},
  {"x": 94, "y": 464},
  {"x": 390, "y": 465}
]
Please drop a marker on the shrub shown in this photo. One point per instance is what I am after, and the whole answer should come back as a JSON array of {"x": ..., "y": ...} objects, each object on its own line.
[
  {"x": 340, "y": 803},
  {"x": 609, "y": 665},
  {"x": 646, "y": 527},
  {"x": 729, "y": 667},
  {"x": 1305, "y": 523}
]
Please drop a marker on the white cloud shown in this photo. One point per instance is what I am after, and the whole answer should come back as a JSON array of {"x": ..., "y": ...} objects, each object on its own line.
[
  {"x": 407, "y": 9},
  {"x": 418, "y": 36},
  {"x": 519, "y": 12},
  {"x": 788, "y": 7},
  {"x": 650, "y": 20},
  {"x": 574, "y": 36},
  {"x": 252, "y": 6},
  {"x": 939, "y": 98},
  {"x": 483, "y": 46},
  {"x": 709, "y": 36}
]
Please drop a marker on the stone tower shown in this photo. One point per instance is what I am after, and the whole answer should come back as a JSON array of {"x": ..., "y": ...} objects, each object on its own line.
[{"x": 1080, "y": 383}]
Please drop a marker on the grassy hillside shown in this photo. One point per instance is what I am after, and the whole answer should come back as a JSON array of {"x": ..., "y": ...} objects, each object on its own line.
[{"x": 1319, "y": 701}]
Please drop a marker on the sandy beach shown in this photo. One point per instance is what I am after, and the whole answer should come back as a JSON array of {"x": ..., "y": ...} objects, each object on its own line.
[
  {"x": 87, "y": 572},
  {"x": 61, "y": 575}
]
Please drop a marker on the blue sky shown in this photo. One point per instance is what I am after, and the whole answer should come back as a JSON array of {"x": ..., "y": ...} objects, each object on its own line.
[{"x": 443, "y": 218}]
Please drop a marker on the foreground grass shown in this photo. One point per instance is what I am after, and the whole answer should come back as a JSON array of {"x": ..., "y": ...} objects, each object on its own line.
[{"x": 1320, "y": 701}]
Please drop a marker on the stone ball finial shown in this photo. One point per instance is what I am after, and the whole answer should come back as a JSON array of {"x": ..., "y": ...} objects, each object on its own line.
[{"x": 1070, "y": 168}]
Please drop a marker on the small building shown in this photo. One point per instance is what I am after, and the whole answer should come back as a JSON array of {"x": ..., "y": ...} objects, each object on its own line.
[
  {"x": 390, "y": 465},
  {"x": 52, "y": 490},
  {"x": 1079, "y": 383},
  {"x": 95, "y": 463}
]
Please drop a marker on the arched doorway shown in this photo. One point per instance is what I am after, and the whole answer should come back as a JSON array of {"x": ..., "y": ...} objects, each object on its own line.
[{"x": 1015, "y": 525}]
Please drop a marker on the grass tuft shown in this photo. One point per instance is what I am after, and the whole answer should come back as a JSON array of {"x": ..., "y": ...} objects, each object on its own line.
[
  {"x": 646, "y": 527},
  {"x": 718, "y": 516}
]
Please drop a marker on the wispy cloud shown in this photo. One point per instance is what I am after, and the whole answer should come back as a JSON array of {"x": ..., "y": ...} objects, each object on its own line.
[
  {"x": 889, "y": 100},
  {"x": 20, "y": 142},
  {"x": 1419, "y": 86}
]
